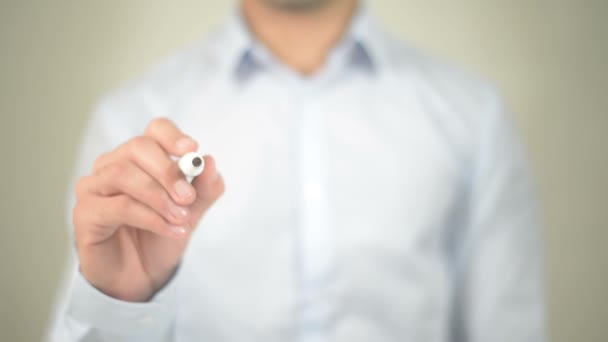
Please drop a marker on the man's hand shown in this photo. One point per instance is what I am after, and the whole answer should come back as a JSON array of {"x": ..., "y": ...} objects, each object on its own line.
[{"x": 134, "y": 214}]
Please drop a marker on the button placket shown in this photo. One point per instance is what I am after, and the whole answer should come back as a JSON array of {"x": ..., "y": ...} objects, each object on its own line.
[{"x": 314, "y": 236}]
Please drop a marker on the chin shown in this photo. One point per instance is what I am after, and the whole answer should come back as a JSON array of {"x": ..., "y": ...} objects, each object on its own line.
[{"x": 298, "y": 5}]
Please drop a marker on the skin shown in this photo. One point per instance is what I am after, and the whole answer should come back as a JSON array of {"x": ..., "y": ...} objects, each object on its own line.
[
  {"x": 297, "y": 5},
  {"x": 135, "y": 213},
  {"x": 301, "y": 33}
]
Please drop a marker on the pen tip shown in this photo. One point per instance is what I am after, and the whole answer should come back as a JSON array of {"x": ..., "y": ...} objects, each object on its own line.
[{"x": 197, "y": 162}]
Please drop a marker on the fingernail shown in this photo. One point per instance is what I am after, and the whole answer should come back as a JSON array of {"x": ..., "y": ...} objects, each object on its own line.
[
  {"x": 177, "y": 211},
  {"x": 177, "y": 230},
  {"x": 184, "y": 189},
  {"x": 185, "y": 144}
]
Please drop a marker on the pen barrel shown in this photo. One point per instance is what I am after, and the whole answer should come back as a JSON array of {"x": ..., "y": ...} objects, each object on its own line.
[{"x": 191, "y": 164}]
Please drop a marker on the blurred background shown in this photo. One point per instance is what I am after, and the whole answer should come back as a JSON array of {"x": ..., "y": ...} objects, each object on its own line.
[{"x": 548, "y": 57}]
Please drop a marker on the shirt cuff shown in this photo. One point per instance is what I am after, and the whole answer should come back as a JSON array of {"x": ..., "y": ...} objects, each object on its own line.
[{"x": 110, "y": 315}]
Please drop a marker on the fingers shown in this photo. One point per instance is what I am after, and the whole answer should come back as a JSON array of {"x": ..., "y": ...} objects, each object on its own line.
[
  {"x": 148, "y": 155},
  {"x": 139, "y": 185},
  {"x": 152, "y": 151},
  {"x": 113, "y": 212},
  {"x": 170, "y": 137},
  {"x": 127, "y": 178}
]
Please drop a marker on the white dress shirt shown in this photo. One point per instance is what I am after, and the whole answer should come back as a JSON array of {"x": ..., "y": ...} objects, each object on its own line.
[{"x": 385, "y": 198}]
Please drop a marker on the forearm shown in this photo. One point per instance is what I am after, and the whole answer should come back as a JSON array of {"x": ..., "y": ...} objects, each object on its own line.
[{"x": 90, "y": 314}]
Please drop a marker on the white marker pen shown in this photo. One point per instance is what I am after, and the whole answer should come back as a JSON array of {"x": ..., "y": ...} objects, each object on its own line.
[{"x": 191, "y": 164}]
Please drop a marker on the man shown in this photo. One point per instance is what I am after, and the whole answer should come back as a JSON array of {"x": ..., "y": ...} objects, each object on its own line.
[{"x": 367, "y": 193}]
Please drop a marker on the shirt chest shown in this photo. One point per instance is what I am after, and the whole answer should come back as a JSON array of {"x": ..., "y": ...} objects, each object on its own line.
[
  {"x": 343, "y": 189},
  {"x": 390, "y": 180}
]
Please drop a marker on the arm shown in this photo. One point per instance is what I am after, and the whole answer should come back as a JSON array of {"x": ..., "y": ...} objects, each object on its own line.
[
  {"x": 87, "y": 314},
  {"x": 112, "y": 292},
  {"x": 498, "y": 287}
]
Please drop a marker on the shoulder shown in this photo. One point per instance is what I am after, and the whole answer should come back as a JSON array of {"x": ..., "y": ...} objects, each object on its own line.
[
  {"x": 166, "y": 83},
  {"x": 460, "y": 103},
  {"x": 435, "y": 78}
]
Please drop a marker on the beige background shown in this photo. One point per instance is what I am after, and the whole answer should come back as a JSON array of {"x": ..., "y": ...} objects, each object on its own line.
[{"x": 548, "y": 57}]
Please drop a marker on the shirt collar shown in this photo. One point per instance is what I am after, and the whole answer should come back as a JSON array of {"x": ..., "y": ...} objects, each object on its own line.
[{"x": 244, "y": 54}]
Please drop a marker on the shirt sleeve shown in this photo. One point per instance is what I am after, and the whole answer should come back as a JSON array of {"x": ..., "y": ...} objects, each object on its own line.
[
  {"x": 83, "y": 313},
  {"x": 90, "y": 315},
  {"x": 499, "y": 274}
]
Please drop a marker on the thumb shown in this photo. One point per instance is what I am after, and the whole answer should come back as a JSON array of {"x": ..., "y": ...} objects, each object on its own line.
[{"x": 209, "y": 186}]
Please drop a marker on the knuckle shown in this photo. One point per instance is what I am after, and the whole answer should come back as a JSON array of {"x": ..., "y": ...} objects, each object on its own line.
[
  {"x": 137, "y": 145},
  {"x": 77, "y": 215},
  {"x": 157, "y": 123},
  {"x": 100, "y": 161},
  {"x": 81, "y": 187},
  {"x": 123, "y": 205},
  {"x": 83, "y": 218},
  {"x": 114, "y": 171}
]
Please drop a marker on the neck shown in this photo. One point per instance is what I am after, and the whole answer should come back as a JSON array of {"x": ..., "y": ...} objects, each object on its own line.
[{"x": 300, "y": 38}]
